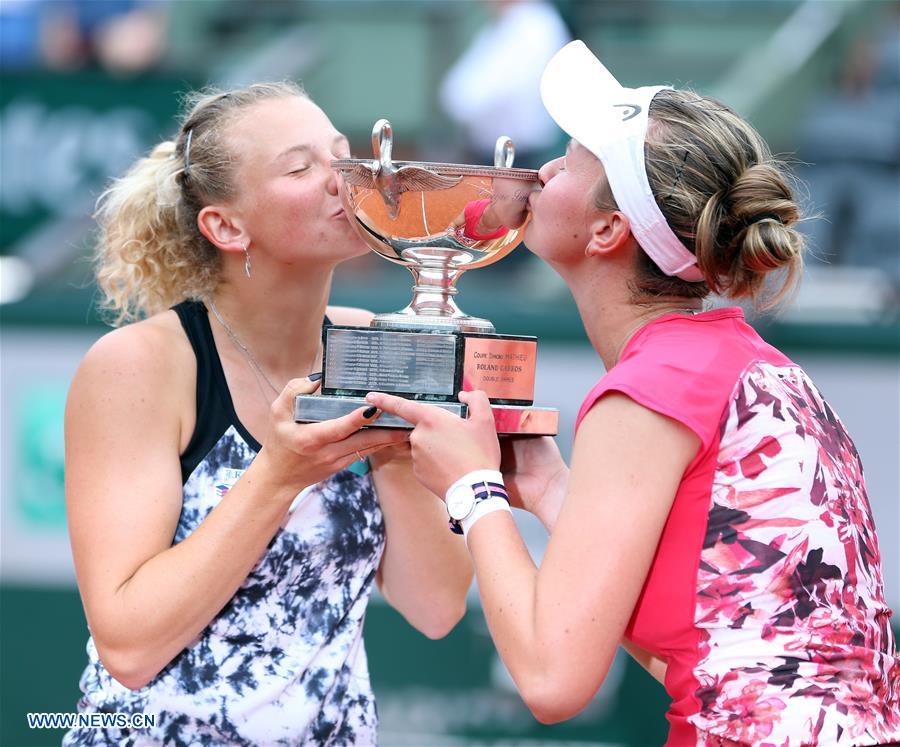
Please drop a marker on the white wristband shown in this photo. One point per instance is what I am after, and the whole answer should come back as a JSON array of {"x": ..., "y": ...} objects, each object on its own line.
[{"x": 483, "y": 508}]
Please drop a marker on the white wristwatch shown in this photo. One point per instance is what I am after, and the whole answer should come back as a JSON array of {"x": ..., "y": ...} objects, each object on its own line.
[{"x": 474, "y": 495}]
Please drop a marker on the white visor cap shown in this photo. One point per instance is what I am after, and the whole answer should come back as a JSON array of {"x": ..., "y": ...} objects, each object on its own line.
[{"x": 611, "y": 122}]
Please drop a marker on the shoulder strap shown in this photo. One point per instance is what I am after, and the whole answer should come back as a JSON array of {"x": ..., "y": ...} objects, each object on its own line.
[{"x": 215, "y": 410}]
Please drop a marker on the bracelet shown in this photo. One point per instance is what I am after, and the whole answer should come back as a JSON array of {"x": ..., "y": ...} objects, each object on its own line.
[{"x": 476, "y": 477}]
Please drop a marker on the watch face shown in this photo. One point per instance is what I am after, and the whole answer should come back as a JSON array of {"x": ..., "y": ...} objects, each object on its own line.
[{"x": 460, "y": 502}]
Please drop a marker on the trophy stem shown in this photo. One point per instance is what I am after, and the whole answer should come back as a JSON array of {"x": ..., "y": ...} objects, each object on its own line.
[{"x": 432, "y": 306}]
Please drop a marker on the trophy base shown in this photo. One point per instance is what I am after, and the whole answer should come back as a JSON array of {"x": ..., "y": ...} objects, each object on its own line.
[
  {"x": 428, "y": 364},
  {"x": 510, "y": 420}
]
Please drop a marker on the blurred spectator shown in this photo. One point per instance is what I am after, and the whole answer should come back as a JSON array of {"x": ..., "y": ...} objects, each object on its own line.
[
  {"x": 20, "y": 31},
  {"x": 121, "y": 36},
  {"x": 851, "y": 137},
  {"x": 493, "y": 89}
]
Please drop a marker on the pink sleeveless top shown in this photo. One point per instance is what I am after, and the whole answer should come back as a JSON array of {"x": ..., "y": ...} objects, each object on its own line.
[{"x": 765, "y": 595}]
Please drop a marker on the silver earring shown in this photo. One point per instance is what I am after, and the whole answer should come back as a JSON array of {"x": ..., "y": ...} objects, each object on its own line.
[{"x": 247, "y": 260}]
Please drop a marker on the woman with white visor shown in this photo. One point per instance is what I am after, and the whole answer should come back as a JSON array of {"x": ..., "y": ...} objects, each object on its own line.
[{"x": 714, "y": 520}]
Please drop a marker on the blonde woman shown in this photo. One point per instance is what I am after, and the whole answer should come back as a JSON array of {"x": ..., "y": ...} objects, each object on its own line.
[
  {"x": 715, "y": 519},
  {"x": 225, "y": 555}
]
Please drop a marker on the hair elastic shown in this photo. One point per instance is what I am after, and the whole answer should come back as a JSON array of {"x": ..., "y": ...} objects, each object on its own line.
[{"x": 759, "y": 217}]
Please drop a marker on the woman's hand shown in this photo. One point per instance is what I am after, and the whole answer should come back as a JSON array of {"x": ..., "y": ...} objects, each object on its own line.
[
  {"x": 300, "y": 455},
  {"x": 444, "y": 446},
  {"x": 535, "y": 475},
  {"x": 395, "y": 456}
]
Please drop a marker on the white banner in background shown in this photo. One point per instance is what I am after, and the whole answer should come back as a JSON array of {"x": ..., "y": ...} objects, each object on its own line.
[{"x": 37, "y": 368}]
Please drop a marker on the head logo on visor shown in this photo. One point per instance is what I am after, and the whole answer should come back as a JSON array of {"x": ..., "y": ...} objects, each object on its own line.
[
  {"x": 611, "y": 121},
  {"x": 631, "y": 110}
]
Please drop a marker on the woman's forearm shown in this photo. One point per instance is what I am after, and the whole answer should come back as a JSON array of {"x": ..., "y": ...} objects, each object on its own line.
[
  {"x": 556, "y": 648},
  {"x": 507, "y": 584},
  {"x": 153, "y": 615},
  {"x": 426, "y": 570}
]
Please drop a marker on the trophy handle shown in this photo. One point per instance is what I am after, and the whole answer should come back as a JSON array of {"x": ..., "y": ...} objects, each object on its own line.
[
  {"x": 382, "y": 146},
  {"x": 504, "y": 153}
]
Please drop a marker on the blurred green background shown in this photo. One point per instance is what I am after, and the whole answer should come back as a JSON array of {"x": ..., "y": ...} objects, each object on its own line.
[{"x": 87, "y": 86}]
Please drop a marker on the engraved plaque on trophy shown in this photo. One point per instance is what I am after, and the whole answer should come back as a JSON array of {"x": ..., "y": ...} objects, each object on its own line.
[{"x": 439, "y": 220}]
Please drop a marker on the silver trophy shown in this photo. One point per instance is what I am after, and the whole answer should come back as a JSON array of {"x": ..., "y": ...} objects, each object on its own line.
[{"x": 439, "y": 220}]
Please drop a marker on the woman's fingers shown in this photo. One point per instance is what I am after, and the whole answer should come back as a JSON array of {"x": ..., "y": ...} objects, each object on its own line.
[
  {"x": 306, "y": 385},
  {"x": 332, "y": 431},
  {"x": 415, "y": 412},
  {"x": 285, "y": 401},
  {"x": 411, "y": 412},
  {"x": 373, "y": 440},
  {"x": 365, "y": 446},
  {"x": 342, "y": 438},
  {"x": 479, "y": 405}
]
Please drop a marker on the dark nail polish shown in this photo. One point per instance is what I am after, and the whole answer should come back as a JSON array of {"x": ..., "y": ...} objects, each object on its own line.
[
  {"x": 370, "y": 411},
  {"x": 315, "y": 376}
]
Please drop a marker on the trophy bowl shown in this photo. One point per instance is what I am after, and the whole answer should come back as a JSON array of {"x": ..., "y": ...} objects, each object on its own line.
[{"x": 437, "y": 219}]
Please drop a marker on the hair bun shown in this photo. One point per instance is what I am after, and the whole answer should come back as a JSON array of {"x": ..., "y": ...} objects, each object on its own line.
[{"x": 746, "y": 231}]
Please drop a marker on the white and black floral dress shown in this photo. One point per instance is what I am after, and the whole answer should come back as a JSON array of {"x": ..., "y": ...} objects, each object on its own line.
[{"x": 283, "y": 663}]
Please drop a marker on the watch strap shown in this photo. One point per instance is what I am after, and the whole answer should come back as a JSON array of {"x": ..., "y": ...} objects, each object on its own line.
[
  {"x": 483, "y": 508},
  {"x": 487, "y": 484}
]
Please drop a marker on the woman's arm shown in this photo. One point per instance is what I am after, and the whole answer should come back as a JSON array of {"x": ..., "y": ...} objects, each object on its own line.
[
  {"x": 426, "y": 570},
  {"x": 536, "y": 479},
  {"x": 557, "y": 628},
  {"x": 144, "y": 598}
]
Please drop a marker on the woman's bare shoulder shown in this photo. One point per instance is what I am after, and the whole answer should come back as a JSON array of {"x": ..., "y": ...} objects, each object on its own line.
[
  {"x": 349, "y": 315},
  {"x": 152, "y": 350}
]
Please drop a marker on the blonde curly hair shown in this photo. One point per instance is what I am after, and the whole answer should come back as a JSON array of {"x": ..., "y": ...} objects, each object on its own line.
[{"x": 150, "y": 253}]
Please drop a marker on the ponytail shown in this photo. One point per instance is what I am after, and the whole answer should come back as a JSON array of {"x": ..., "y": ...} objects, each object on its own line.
[{"x": 146, "y": 260}]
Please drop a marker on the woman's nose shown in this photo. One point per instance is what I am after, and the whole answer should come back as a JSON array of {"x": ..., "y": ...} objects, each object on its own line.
[
  {"x": 332, "y": 180},
  {"x": 548, "y": 171}
]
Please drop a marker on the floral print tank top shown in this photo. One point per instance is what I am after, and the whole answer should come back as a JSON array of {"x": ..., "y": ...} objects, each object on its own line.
[
  {"x": 283, "y": 663},
  {"x": 765, "y": 596}
]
